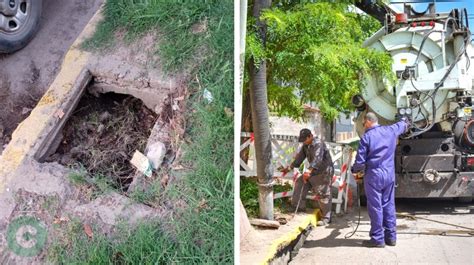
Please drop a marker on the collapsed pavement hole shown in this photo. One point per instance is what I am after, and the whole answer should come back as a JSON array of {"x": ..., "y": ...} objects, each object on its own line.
[{"x": 102, "y": 134}]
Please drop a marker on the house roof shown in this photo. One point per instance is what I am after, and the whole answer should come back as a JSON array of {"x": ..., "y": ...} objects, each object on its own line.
[{"x": 309, "y": 108}]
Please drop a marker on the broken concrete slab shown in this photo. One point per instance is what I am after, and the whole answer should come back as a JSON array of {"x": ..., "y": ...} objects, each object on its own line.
[
  {"x": 42, "y": 178},
  {"x": 111, "y": 208}
]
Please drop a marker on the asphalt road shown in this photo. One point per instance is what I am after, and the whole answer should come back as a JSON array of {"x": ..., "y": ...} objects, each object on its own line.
[
  {"x": 415, "y": 245},
  {"x": 34, "y": 67}
]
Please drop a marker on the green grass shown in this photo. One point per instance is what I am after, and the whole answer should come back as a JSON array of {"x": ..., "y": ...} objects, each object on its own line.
[
  {"x": 146, "y": 244},
  {"x": 78, "y": 177},
  {"x": 149, "y": 196},
  {"x": 202, "y": 232},
  {"x": 51, "y": 204},
  {"x": 249, "y": 196},
  {"x": 171, "y": 19},
  {"x": 98, "y": 182}
]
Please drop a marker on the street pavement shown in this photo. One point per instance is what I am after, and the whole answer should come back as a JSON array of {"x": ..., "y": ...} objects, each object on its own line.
[{"x": 416, "y": 243}]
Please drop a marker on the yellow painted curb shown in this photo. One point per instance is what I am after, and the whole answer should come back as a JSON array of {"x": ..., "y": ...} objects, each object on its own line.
[{"x": 285, "y": 240}]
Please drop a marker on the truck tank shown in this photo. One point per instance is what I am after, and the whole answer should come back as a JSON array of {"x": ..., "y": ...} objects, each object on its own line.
[{"x": 432, "y": 54}]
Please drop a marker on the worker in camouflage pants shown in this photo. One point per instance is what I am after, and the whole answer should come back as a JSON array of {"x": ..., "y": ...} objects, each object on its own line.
[{"x": 318, "y": 176}]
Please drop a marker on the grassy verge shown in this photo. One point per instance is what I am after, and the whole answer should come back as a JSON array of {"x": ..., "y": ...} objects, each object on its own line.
[
  {"x": 202, "y": 231},
  {"x": 146, "y": 244},
  {"x": 172, "y": 19}
]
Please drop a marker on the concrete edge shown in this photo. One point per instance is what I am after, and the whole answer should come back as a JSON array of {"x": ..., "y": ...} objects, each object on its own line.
[
  {"x": 51, "y": 110},
  {"x": 285, "y": 240}
]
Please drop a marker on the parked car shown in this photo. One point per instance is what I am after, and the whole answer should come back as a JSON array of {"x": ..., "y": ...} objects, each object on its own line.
[{"x": 19, "y": 22}]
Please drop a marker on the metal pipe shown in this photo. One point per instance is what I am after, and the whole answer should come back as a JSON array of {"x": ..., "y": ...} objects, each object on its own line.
[
  {"x": 449, "y": 19},
  {"x": 379, "y": 34},
  {"x": 443, "y": 47}
]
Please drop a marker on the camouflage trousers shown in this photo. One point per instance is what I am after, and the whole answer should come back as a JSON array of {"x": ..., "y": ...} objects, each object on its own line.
[{"x": 320, "y": 184}]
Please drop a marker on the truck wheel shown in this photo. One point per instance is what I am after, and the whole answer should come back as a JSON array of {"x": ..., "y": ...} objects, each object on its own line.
[{"x": 19, "y": 21}]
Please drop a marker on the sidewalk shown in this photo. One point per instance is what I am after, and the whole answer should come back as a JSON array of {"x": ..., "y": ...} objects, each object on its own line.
[
  {"x": 414, "y": 245},
  {"x": 261, "y": 246}
]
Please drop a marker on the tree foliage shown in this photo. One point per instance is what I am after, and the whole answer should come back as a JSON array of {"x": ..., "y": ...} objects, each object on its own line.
[{"x": 314, "y": 54}]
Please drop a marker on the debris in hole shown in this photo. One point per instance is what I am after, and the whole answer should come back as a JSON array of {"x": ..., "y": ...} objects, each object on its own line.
[
  {"x": 156, "y": 153},
  {"x": 141, "y": 162},
  {"x": 103, "y": 133}
]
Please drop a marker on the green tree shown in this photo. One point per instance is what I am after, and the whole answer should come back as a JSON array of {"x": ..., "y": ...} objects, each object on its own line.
[{"x": 314, "y": 53}]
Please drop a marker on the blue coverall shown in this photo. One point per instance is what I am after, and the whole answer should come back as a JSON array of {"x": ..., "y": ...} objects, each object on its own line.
[{"x": 376, "y": 158}]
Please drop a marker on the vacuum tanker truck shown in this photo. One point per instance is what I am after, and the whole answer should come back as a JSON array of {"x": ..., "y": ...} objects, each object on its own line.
[{"x": 432, "y": 55}]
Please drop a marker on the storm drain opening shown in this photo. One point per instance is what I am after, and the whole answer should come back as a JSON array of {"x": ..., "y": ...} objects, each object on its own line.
[{"x": 101, "y": 136}]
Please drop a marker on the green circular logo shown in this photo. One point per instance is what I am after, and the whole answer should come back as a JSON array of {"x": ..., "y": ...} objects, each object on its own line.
[{"x": 26, "y": 236}]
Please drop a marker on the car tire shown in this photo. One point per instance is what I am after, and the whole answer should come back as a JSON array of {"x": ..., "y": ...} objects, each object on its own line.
[{"x": 16, "y": 39}]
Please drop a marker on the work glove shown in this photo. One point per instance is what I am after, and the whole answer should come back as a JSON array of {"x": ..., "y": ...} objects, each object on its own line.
[
  {"x": 359, "y": 177},
  {"x": 407, "y": 120}
]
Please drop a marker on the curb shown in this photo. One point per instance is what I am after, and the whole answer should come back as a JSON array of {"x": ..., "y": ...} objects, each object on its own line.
[{"x": 278, "y": 246}]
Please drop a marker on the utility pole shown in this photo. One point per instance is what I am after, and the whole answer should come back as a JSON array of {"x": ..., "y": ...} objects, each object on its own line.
[{"x": 260, "y": 120}]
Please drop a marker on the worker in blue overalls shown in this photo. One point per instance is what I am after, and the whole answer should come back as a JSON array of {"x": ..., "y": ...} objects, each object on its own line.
[{"x": 375, "y": 158}]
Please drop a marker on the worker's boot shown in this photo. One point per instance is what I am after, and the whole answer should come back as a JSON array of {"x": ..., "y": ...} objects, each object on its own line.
[
  {"x": 372, "y": 244},
  {"x": 391, "y": 243},
  {"x": 323, "y": 222}
]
